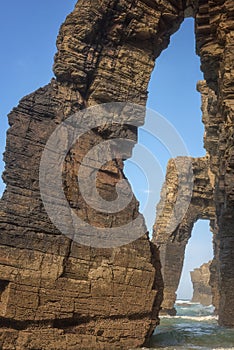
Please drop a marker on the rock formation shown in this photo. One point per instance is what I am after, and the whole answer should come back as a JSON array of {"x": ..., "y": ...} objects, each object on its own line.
[
  {"x": 202, "y": 292},
  {"x": 203, "y": 191},
  {"x": 172, "y": 235},
  {"x": 214, "y": 34},
  {"x": 54, "y": 292},
  {"x": 214, "y": 39}
]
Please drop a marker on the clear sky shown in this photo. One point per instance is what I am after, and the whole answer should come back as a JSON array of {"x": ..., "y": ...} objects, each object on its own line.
[{"x": 28, "y": 32}]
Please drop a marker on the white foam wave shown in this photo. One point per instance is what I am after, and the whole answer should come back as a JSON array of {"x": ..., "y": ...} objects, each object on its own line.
[
  {"x": 192, "y": 318},
  {"x": 188, "y": 302},
  {"x": 223, "y": 348}
]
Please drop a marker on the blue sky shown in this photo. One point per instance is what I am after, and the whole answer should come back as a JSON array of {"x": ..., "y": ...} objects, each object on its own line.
[{"x": 28, "y": 31}]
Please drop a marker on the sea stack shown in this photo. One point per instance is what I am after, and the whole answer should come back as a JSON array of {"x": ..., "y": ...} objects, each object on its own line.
[{"x": 201, "y": 287}]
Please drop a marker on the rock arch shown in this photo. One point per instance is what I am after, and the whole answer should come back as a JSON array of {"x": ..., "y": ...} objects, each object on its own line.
[
  {"x": 62, "y": 295},
  {"x": 173, "y": 243}
]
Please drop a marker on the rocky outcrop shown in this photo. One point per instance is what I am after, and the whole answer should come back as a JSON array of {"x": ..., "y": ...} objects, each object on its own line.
[
  {"x": 214, "y": 41},
  {"x": 211, "y": 121},
  {"x": 54, "y": 292},
  {"x": 200, "y": 278},
  {"x": 186, "y": 196},
  {"x": 214, "y": 32}
]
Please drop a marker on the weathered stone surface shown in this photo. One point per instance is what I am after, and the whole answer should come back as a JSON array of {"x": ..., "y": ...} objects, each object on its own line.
[
  {"x": 73, "y": 296},
  {"x": 214, "y": 35},
  {"x": 173, "y": 253},
  {"x": 56, "y": 294},
  {"x": 173, "y": 238},
  {"x": 52, "y": 288},
  {"x": 211, "y": 120},
  {"x": 214, "y": 38},
  {"x": 202, "y": 292},
  {"x": 215, "y": 45}
]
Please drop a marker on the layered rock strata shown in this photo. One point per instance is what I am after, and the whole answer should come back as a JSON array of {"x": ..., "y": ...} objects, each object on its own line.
[
  {"x": 215, "y": 45},
  {"x": 195, "y": 200},
  {"x": 211, "y": 122},
  {"x": 55, "y": 293},
  {"x": 214, "y": 40},
  {"x": 200, "y": 278}
]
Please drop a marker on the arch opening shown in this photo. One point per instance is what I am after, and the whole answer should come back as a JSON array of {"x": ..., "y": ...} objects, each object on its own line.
[
  {"x": 199, "y": 251},
  {"x": 172, "y": 94}
]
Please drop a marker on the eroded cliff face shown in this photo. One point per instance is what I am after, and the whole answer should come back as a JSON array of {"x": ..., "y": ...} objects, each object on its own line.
[
  {"x": 58, "y": 294},
  {"x": 215, "y": 45},
  {"x": 201, "y": 285},
  {"x": 55, "y": 293},
  {"x": 214, "y": 40},
  {"x": 172, "y": 235}
]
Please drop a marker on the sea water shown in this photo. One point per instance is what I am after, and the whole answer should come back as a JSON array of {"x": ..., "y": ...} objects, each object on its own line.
[{"x": 194, "y": 328}]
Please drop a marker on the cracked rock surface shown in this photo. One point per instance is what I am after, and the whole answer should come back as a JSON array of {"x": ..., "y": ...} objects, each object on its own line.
[
  {"x": 55, "y": 293},
  {"x": 202, "y": 292}
]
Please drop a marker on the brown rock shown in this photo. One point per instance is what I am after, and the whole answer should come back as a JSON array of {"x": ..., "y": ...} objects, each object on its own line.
[
  {"x": 182, "y": 203},
  {"x": 55, "y": 293},
  {"x": 202, "y": 292},
  {"x": 216, "y": 52}
]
